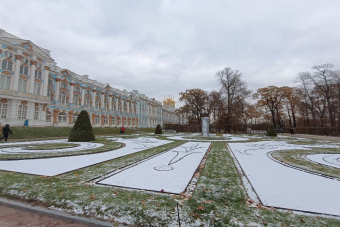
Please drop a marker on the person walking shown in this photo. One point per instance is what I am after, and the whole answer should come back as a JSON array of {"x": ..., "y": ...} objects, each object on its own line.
[
  {"x": 5, "y": 131},
  {"x": 122, "y": 130},
  {"x": 26, "y": 123}
]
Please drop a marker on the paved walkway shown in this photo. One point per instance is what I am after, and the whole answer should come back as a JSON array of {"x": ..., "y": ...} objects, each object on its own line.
[{"x": 331, "y": 138}]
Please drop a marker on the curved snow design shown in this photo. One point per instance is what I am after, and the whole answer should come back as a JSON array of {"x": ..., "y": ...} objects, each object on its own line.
[
  {"x": 332, "y": 160},
  {"x": 280, "y": 186},
  {"x": 59, "y": 165},
  {"x": 20, "y": 150},
  {"x": 169, "y": 172}
]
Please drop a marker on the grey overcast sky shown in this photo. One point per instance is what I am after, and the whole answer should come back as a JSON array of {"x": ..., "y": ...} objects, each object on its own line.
[{"x": 165, "y": 47}]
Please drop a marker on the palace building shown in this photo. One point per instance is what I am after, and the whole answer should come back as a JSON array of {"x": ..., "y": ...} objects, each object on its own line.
[{"x": 33, "y": 87}]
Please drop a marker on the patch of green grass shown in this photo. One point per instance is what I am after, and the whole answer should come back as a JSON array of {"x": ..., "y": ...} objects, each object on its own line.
[
  {"x": 73, "y": 194},
  {"x": 44, "y": 132},
  {"x": 147, "y": 130},
  {"x": 51, "y": 146},
  {"x": 108, "y": 146},
  {"x": 297, "y": 158},
  {"x": 220, "y": 200}
]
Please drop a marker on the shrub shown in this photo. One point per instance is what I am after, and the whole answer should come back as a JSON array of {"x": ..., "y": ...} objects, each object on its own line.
[
  {"x": 271, "y": 131},
  {"x": 82, "y": 130},
  {"x": 158, "y": 129}
]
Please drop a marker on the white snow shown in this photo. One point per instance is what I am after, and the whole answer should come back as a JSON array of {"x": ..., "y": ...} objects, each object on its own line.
[
  {"x": 228, "y": 137},
  {"x": 18, "y": 150},
  {"x": 280, "y": 186},
  {"x": 332, "y": 160},
  {"x": 55, "y": 166},
  {"x": 170, "y": 171}
]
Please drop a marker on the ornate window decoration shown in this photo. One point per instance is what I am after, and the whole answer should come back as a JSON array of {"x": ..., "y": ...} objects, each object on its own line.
[
  {"x": 37, "y": 74},
  {"x": 22, "y": 87},
  {"x": 106, "y": 104},
  {"x": 22, "y": 112},
  {"x": 25, "y": 60},
  {"x": 48, "y": 116},
  {"x": 88, "y": 92},
  {"x": 97, "y": 103},
  {"x": 113, "y": 105},
  {"x": 62, "y": 97},
  {"x": 5, "y": 81},
  {"x": 62, "y": 117},
  {"x": 8, "y": 54},
  {"x": 98, "y": 95},
  {"x": 23, "y": 70},
  {"x": 49, "y": 93},
  {"x": 106, "y": 120},
  {"x": 50, "y": 82},
  {"x": 3, "y": 110},
  {"x": 37, "y": 88},
  {"x": 113, "y": 121},
  {"x": 77, "y": 89},
  {"x": 64, "y": 86}
]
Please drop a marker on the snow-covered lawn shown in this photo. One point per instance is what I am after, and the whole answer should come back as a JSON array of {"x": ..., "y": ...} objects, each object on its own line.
[
  {"x": 214, "y": 138},
  {"x": 55, "y": 166},
  {"x": 280, "y": 186},
  {"x": 24, "y": 145},
  {"x": 170, "y": 171},
  {"x": 332, "y": 160}
]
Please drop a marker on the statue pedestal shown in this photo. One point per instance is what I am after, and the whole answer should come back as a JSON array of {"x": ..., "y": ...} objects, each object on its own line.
[{"x": 205, "y": 126}]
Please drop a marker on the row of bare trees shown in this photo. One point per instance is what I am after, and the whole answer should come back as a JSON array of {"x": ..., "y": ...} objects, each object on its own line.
[{"x": 314, "y": 102}]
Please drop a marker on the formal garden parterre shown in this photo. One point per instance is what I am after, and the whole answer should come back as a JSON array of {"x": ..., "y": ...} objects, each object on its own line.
[{"x": 117, "y": 183}]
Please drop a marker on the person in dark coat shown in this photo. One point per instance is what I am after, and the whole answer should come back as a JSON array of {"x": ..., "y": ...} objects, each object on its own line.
[{"x": 5, "y": 131}]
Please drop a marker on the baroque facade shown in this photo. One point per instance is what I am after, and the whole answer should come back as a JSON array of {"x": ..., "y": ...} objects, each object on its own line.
[{"x": 33, "y": 87}]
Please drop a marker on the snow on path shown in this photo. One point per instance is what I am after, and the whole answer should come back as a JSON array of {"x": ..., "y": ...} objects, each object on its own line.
[
  {"x": 55, "y": 166},
  {"x": 280, "y": 186},
  {"x": 228, "y": 138},
  {"x": 332, "y": 160},
  {"x": 170, "y": 171},
  {"x": 20, "y": 150}
]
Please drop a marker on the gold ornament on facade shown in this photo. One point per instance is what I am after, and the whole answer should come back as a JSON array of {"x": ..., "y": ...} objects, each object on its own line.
[
  {"x": 28, "y": 44},
  {"x": 26, "y": 54},
  {"x": 4, "y": 101},
  {"x": 19, "y": 57},
  {"x": 24, "y": 103},
  {"x": 47, "y": 68},
  {"x": 10, "y": 48},
  {"x": 39, "y": 59},
  {"x": 38, "y": 80},
  {"x": 8, "y": 73},
  {"x": 44, "y": 107},
  {"x": 34, "y": 62},
  {"x": 0, "y": 51}
]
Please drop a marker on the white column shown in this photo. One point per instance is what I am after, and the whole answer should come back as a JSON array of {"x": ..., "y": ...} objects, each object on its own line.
[
  {"x": 93, "y": 99},
  {"x": 15, "y": 83},
  {"x": 70, "y": 100},
  {"x": 110, "y": 103},
  {"x": 102, "y": 101},
  {"x": 46, "y": 78},
  {"x": 122, "y": 102},
  {"x": 31, "y": 80},
  {"x": 128, "y": 106},
  {"x": 117, "y": 100},
  {"x": 132, "y": 107},
  {"x": 82, "y": 96},
  {"x": 57, "y": 85}
]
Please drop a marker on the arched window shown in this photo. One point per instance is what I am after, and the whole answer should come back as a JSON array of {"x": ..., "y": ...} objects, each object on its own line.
[
  {"x": 77, "y": 89},
  {"x": 5, "y": 81},
  {"x": 113, "y": 105},
  {"x": 3, "y": 110},
  {"x": 113, "y": 121},
  {"x": 87, "y": 102},
  {"x": 62, "y": 97},
  {"x": 22, "y": 112},
  {"x": 76, "y": 100},
  {"x": 106, "y": 105},
  {"x": 97, "y": 103},
  {"x": 7, "y": 64},
  {"x": 50, "y": 82},
  {"x": 106, "y": 120},
  {"x": 8, "y": 54},
  {"x": 48, "y": 116},
  {"x": 88, "y": 92},
  {"x": 62, "y": 117},
  {"x": 36, "y": 113},
  {"x": 49, "y": 93},
  {"x": 37, "y": 88},
  {"x": 98, "y": 95}
]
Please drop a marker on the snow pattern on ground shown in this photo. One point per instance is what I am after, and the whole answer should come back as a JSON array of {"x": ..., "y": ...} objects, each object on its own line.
[
  {"x": 20, "y": 150},
  {"x": 332, "y": 160},
  {"x": 55, "y": 166},
  {"x": 170, "y": 171},
  {"x": 280, "y": 186}
]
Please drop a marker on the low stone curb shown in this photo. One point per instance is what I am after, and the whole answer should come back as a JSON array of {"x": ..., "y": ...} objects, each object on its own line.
[{"x": 55, "y": 213}]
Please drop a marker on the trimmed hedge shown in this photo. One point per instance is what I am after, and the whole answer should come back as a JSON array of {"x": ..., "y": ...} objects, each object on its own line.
[
  {"x": 158, "y": 129},
  {"x": 271, "y": 131},
  {"x": 82, "y": 129},
  {"x": 44, "y": 132}
]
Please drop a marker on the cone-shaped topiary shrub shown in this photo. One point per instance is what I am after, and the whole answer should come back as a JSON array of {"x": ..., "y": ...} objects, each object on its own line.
[
  {"x": 158, "y": 129},
  {"x": 82, "y": 130},
  {"x": 271, "y": 131}
]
